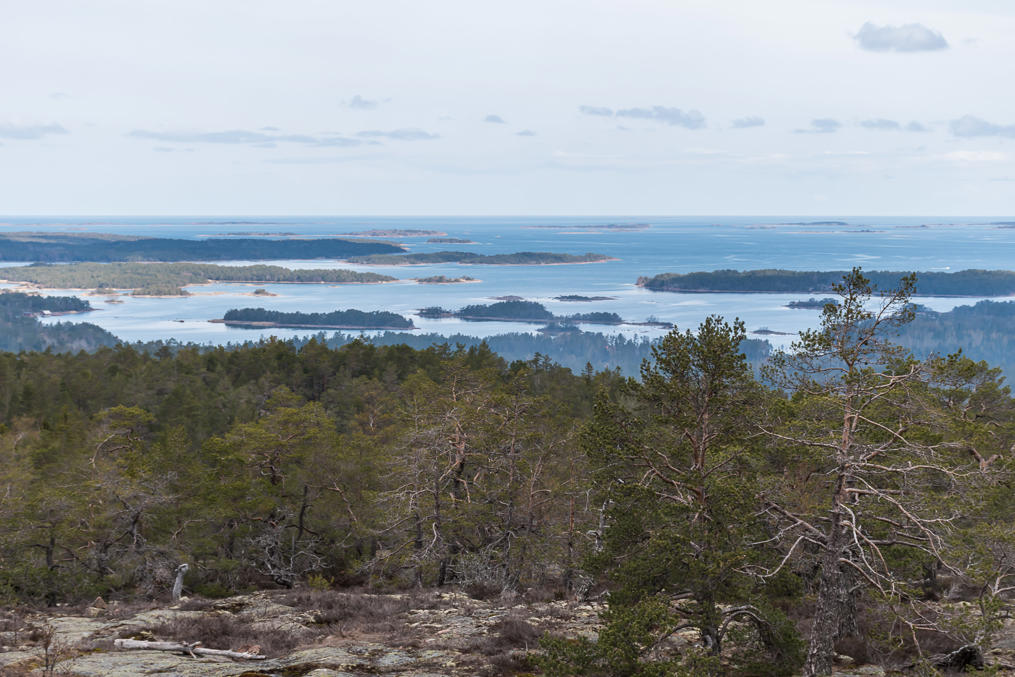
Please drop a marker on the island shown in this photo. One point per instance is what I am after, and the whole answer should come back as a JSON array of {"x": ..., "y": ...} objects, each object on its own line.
[
  {"x": 103, "y": 247},
  {"x": 449, "y": 240},
  {"x": 594, "y": 226},
  {"x": 159, "y": 291},
  {"x": 443, "y": 279},
  {"x": 578, "y": 298},
  {"x": 816, "y": 223},
  {"x": 526, "y": 311},
  {"x": 470, "y": 258},
  {"x": 20, "y": 328},
  {"x": 396, "y": 232},
  {"x": 19, "y": 304},
  {"x": 143, "y": 278},
  {"x": 811, "y": 303},
  {"x": 774, "y": 281},
  {"x": 259, "y": 318}
]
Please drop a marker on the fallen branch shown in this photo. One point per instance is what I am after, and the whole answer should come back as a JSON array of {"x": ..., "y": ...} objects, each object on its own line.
[{"x": 192, "y": 649}]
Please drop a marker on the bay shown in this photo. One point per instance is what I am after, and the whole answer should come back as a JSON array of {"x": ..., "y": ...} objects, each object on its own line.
[{"x": 665, "y": 244}]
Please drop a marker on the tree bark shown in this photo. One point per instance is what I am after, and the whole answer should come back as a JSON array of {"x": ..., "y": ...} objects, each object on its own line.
[{"x": 835, "y": 613}]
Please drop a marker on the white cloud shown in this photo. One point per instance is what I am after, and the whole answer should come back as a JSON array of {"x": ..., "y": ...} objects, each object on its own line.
[
  {"x": 359, "y": 103},
  {"x": 821, "y": 126},
  {"x": 749, "y": 121},
  {"x": 9, "y": 130},
  {"x": 975, "y": 157},
  {"x": 405, "y": 134},
  {"x": 905, "y": 38},
  {"x": 969, "y": 125}
]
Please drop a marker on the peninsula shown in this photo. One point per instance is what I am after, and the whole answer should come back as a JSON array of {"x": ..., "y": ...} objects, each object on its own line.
[
  {"x": 144, "y": 277},
  {"x": 67, "y": 247},
  {"x": 773, "y": 281}
]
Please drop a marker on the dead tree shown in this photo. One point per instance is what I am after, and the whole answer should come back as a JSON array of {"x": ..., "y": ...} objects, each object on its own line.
[
  {"x": 881, "y": 479},
  {"x": 178, "y": 583}
]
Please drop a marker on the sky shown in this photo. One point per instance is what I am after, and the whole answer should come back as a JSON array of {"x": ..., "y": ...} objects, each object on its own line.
[{"x": 401, "y": 107}]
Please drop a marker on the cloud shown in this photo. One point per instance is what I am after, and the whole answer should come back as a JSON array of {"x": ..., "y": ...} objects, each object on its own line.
[
  {"x": 749, "y": 121},
  {"x": 359, "y": 103},
  {"x": 884, "y": 125},
  {"x": 245, "y": 137},
  {"x": 495, "y": 119},
  {"x": 525, "y": 132},
  {"x": 975, "y": 157},
  {"x": 881, "y": 124},
  {"x": 600, "y": 111},
  {"x": 905, "y": 38},
  {"x": 676, "y": 117},
  {"x": 10, "y": 130},
  {"x": 969, "y": 125},
  {"x": 406, "y": 134},
  {"x": 821, "y": 126},
  {"x": 691, "y": 119}
]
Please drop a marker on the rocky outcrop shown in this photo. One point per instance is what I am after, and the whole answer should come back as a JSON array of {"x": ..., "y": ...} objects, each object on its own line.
[{"x": 311, "y": 633}]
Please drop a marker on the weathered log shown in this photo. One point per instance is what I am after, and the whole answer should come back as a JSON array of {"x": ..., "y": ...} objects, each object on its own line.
[{"x": 192, "y": 649}]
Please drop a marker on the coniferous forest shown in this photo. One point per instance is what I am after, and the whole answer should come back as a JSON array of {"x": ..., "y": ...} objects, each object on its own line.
[{"x": 847, "y": 497}]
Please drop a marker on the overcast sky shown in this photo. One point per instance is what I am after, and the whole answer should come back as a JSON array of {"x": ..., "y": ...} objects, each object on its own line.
[{"x": 522, "y": 107}]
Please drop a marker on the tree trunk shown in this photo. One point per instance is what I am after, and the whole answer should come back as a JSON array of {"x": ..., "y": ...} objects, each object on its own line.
[{"x": 835, "y": 613}]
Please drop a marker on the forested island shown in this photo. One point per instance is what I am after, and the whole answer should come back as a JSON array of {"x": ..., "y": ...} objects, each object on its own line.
[
  {"x": 66, "y": 247},
  {"x": 578, "y": 298},
  {"x": 145, "y": 278},
  {"x": 516, "y": 259},
  {"x": 449, "y": 240},
  {"x": 852, "y": 509},
  {"x": 257, "y": 318},
  {"x": 444, "y": 279},
  {"x": 524, "y": 311},
  {"x": 811, "y": 303},
  {"x": 774, "y": 281},
  {"x": 21, "y": 330}
]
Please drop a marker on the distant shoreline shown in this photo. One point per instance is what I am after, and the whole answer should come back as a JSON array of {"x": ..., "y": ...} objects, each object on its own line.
[{"x": 253, "y": 324}]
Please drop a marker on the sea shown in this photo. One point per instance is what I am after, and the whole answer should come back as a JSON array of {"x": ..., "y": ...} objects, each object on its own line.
[{"x": 639, "y": 245}]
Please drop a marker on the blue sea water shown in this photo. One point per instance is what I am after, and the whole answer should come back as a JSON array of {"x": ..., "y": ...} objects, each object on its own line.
[{"x": 667, "y": 244}]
